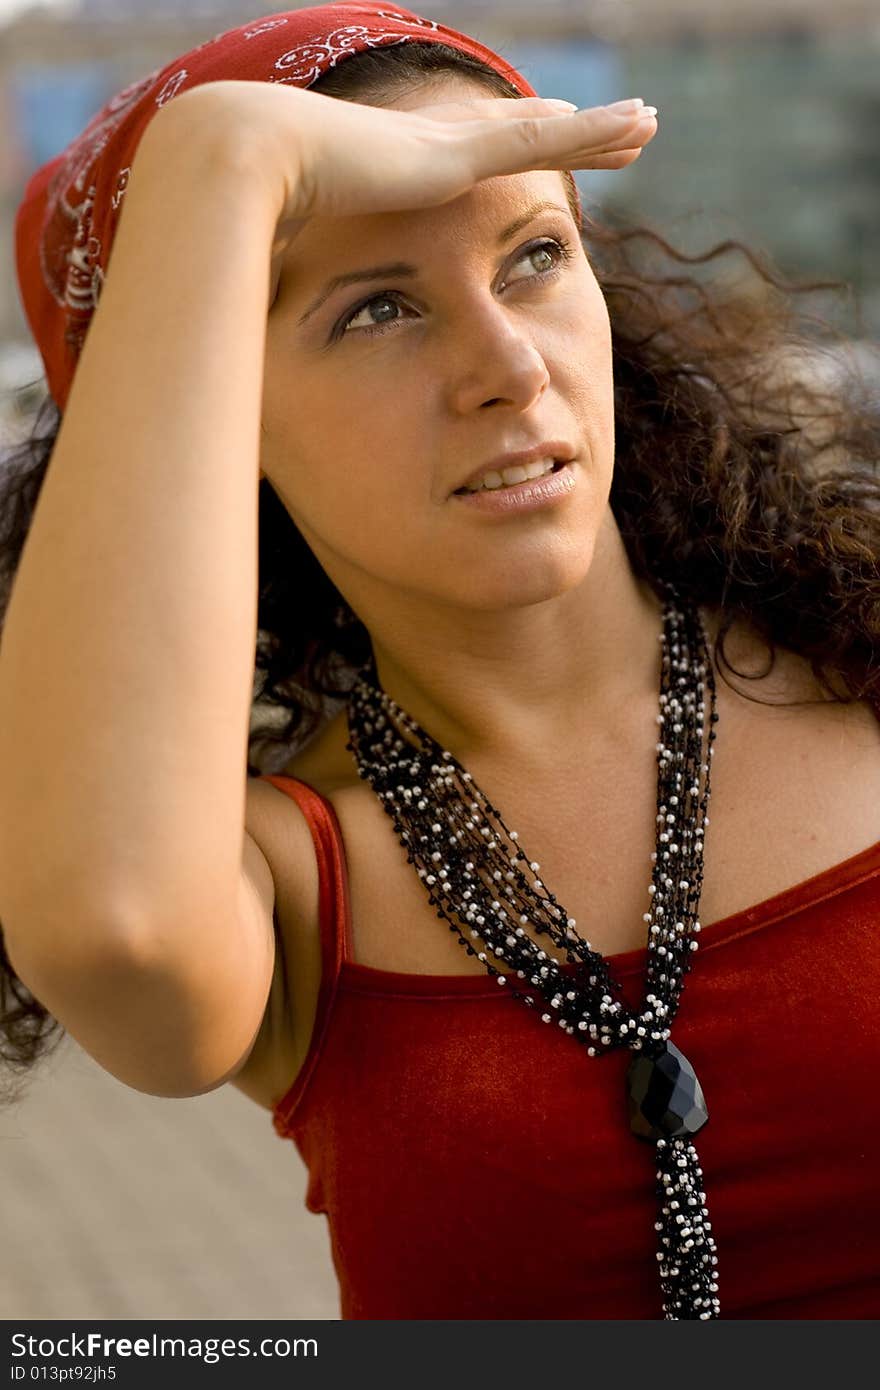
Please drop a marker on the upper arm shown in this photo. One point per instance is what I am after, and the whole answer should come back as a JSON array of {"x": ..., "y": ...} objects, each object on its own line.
[{"x": 171, "y": 1031}]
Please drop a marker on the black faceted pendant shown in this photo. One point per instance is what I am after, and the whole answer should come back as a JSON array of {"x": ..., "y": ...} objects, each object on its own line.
[{"x": 665, "y": 1098}]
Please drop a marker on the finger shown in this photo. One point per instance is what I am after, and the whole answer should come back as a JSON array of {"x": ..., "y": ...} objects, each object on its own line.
[
  {"x": 618, "y": 160},
  {"x": 549, "y": 141},
  {"x": 644, "y": 130},
  {"x": 491, "y": 109},
  {"x": 632, "y": 142},
  {"x": 520, "y": 108}
]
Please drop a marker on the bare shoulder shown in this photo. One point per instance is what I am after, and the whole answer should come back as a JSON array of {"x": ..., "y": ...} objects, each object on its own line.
[
  {"x": 795, "y": 775},
  {"x": 786, "y": 692},
  {"x": 278, "y": 833}
]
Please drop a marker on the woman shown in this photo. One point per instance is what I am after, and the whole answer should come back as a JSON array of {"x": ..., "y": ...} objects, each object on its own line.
[{"x": 382, "y": 306}]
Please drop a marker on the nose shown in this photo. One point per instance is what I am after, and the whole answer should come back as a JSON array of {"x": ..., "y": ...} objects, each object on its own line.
[{"x": 497, "y": 362}]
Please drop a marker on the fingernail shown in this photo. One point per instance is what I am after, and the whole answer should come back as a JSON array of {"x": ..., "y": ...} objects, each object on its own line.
[
  {"x": 633, "y": 104},
  {"x": 563, "y": 105}
]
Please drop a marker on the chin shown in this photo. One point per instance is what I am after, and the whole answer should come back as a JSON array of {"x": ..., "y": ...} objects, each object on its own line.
[{"x": 526, "y": 580}]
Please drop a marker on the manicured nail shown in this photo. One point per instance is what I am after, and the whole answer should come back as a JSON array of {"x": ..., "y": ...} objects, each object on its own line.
[
  {"x": 563, "y": 105},
  {"x": 623, "y": 107}
]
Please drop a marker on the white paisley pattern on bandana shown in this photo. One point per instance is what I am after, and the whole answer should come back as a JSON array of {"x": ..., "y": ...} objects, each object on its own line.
[
  {"x": 264, "y": 27},
  {"x": 310, "y": 60},
  {"x": 172, "y": 86},
  {"x": 73, "y": 275}
]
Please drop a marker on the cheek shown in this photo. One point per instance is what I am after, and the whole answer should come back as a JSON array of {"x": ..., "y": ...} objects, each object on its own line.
[
  {"x": 323, "y": 435},
  {"x": 584, "y": 376},
  {"x": 349, "y": 470},
  {"x": 590, "y": 327}
]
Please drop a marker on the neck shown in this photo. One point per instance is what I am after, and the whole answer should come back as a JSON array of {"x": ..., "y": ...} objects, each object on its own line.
[{"x": 528, "y": 680}]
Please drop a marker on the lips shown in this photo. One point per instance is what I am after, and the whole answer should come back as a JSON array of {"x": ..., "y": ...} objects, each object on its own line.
[
  {"x": 492, "y": 484},
  {"x": 557, "y": 450}
]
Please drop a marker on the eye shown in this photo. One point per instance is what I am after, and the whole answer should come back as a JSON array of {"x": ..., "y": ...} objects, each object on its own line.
[{"x": 558, "y": 252}]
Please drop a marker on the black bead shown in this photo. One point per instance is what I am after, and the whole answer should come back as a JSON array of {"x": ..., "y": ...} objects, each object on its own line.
[{"x": 665, "y": 1098}]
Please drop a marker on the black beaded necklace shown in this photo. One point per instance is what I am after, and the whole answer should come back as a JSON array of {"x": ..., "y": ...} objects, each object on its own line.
[{"x": 474, "y": 872}]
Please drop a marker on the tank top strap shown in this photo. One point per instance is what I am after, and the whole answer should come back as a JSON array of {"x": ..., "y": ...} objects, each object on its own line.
[
  {"x": 334, "y": 913},
  {"x": 334, "y": 907}
]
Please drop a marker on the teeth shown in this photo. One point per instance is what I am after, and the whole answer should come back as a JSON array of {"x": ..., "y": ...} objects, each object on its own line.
[
  {"x": 535, "y": 470},
  {"x": 517, "y": 474}
]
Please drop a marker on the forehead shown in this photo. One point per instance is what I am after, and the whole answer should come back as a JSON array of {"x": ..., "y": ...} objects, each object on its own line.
[
  {"x": 438, "y": 88},
  {"x": 477, "y": 214}
]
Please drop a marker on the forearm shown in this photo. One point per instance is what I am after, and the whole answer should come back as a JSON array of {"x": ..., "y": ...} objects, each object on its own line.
[{"x": 127, "y": 656}]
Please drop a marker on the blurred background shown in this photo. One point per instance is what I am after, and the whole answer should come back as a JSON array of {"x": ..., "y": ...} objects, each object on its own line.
[{"x": 114, "y": 1204}]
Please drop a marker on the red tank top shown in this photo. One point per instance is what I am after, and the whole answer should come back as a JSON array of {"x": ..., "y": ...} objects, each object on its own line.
[{"x": 474, "y": 1162}]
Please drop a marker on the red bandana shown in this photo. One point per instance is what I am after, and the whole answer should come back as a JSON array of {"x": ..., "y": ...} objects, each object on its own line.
[{"x": 67, "y": 220}]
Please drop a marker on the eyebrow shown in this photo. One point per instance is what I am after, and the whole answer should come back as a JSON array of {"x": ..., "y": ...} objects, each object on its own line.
[{"x": 402, "y": 269}]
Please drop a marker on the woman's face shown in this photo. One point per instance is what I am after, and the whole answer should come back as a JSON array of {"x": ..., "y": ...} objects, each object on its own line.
[{"x": 387, "y": 397}]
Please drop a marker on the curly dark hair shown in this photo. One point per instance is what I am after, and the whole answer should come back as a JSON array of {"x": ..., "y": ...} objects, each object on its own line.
[{"x": 755, "y": 488}]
